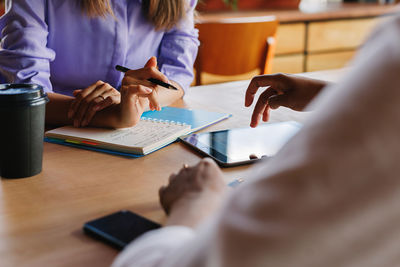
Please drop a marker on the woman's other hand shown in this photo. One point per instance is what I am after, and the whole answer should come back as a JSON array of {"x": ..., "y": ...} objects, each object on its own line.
[
  {"x": 91, "y": 100},
  {"x": 290, "y": 91},
  {"x": 193, "y": 193}
]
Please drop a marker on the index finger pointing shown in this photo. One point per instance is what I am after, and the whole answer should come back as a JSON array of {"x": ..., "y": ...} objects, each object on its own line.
[
  {"x": 255, "y": 83},
  {"x": 273, "y": 81}
]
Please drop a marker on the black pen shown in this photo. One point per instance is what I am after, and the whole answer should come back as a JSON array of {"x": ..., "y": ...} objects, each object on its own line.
[{"x": 155, "y": 81}]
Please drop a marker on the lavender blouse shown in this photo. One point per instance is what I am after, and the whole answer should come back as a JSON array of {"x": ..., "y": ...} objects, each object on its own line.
[{"x": 51, "y": 43}]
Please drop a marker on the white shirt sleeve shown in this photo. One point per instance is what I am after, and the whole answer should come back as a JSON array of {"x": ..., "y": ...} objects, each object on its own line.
[
  {"x": 330, "y": 197},
  {"x": 150, "y": 249}
]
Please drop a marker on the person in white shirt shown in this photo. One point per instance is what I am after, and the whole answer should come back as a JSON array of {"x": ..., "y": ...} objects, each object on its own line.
[{"x": 330, "y": 197}]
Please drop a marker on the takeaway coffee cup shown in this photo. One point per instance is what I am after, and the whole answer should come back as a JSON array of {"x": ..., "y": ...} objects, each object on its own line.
[{"x": 22, "y": 113}]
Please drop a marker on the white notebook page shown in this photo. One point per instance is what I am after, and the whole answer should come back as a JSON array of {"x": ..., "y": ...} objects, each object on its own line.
[{"x": 143, "y": 134}]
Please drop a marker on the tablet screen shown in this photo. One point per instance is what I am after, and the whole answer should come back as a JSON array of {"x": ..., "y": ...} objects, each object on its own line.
[{"x": 243, "y": 145}]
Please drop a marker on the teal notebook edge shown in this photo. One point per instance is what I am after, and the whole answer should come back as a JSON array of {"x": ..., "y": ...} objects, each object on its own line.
[
  {"x": 196, "y": 118},
  {"x": 93, "y": 148}
]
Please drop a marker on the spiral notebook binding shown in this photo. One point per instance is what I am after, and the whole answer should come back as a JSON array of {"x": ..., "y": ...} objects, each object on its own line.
[{"x": 163, "y": 121}]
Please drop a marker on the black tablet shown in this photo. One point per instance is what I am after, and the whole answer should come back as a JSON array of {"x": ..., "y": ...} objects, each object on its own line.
[{"x": 243, "y": 145}]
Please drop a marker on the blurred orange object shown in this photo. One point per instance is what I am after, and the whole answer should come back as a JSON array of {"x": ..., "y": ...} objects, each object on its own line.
[{"x": 235, "y": 46}]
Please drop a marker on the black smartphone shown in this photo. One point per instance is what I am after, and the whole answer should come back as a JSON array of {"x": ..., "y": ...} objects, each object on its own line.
[{"x": 120, "y": 228}]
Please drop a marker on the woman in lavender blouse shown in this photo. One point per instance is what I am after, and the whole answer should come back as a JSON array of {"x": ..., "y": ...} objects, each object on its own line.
[{"x": 71, "y": 49}]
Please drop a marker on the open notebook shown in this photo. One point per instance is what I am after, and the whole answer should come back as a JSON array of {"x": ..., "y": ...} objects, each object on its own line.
[{"x": 155, "y": 130}]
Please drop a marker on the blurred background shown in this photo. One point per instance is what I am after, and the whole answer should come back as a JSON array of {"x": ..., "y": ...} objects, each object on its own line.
[
  {"x": 243, "y": 38},
  {"x": 311, "y": 35}
]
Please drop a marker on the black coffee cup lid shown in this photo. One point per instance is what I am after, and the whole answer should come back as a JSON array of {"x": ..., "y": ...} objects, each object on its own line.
[{"x": 31, "y": 94}]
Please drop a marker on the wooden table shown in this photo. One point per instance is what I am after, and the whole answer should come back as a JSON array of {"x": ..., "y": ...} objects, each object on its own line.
[{"x": 41, "y": 217}]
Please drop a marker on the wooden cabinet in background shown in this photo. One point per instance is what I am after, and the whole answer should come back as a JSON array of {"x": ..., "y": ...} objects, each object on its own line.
[
  {"x": 315, "y": 41},
  {"x": 324, "y": 40},
  {"x": 329, "y": 44},
  {"x": 289, "y": 52},
  {"x": 293, "y": 63},
  {"x": 328, "y": 60},
  {"x": 291, "y": 38},
  {"x": 335, "y": 35}
]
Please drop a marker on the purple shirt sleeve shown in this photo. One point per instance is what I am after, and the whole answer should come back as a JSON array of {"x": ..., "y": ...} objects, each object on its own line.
[
  {"x": 178, "y": 50},
  {"x": 52, "y": 44},
  {"x": 24, "y": 57}
]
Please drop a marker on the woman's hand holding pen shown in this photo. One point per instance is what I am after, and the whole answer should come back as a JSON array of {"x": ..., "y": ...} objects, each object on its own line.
[
  {"x": 141, "y": 77},
  {"x": 290, "y": 91},
  {"x": 91, "y": 100},
  {"x": 137, "y": 92}
]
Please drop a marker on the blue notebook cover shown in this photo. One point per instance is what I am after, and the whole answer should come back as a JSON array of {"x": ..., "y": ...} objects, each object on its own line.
[{"x": 198, "y": 119}]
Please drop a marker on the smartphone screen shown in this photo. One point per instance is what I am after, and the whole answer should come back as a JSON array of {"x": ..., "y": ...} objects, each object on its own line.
[{"x": 120, "y": 228}]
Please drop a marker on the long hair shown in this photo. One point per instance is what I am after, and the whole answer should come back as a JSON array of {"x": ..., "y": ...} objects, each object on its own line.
[{"x": 163, "y": 14}]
